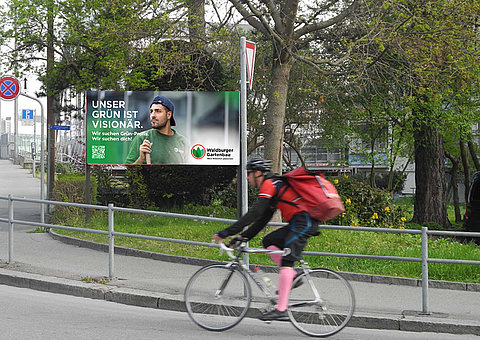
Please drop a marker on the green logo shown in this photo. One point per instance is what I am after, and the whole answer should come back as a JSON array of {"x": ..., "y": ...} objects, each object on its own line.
[{"x": 198, "y": 151}]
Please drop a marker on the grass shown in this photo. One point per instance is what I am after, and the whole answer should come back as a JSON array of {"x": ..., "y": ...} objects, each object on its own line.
[{"x": 335, "y": 241}]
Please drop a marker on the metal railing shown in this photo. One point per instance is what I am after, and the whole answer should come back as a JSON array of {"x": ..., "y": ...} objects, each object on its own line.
[{"x": 111, "y": 233}]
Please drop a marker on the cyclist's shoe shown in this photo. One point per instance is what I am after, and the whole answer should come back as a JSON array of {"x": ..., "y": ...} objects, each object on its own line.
[{"x": 274, "y": 315}]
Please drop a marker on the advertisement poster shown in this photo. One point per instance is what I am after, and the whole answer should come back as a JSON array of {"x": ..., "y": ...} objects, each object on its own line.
[{"x": 198, "y": 128}]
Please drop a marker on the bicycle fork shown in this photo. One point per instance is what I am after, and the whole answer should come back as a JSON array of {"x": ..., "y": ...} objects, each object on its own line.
[{"x": 219, "y": 291}]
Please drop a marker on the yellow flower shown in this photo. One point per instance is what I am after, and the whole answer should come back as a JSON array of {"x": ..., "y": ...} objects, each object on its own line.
[
  {"x": 387, "y": 209},
  {"x": 348, "y": 201},
  {"x": 401, "y": 227},
  {"x": 391, "y": 226},
  {"x": 343, "y": 214},
  {"x": 335, "y": 181},
  {"x": 354, "y": 223},
  {"x": 403, "y": 219},
  {"x": 345, "y": 176},
  {"x": 375, "y": 216}
]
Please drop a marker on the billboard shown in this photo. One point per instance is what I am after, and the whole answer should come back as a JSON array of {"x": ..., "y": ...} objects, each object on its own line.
[{"x": 162, "y": 127}]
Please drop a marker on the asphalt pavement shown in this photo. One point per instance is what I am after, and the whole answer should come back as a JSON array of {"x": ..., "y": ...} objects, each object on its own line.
[{"x": 63, "y": 265}]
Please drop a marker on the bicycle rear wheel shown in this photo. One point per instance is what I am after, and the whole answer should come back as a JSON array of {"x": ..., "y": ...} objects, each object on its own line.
[
  {"x": 217, "y": 297},
  {"x": 326, "y": 313}
]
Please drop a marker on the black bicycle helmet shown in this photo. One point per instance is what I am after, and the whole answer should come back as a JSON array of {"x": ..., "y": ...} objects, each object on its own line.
[{"x": 257, "y": 163}]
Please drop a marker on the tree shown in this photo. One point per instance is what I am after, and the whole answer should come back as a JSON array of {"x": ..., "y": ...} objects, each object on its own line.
[
  {"x": 442, "y": 58},
  {"x": 290, "y": 26},
  {"x": 431, "y": 59},
  {"x": 83, "y": 45}
]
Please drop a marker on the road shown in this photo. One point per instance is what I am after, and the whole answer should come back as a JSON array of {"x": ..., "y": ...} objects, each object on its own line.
[{"x": 30, "y": 314}]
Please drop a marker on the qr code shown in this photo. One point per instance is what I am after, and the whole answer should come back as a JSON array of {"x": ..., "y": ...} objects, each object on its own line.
[{"x": 98, "y": 151}]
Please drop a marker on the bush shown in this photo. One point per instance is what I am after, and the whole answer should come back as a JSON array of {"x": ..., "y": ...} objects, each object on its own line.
[
  {"x": 398, "y": 181},
  {"x": 366, "y": 206},
  {"x": 381, "y": 180},
  {"x": 71, "y": 188},
  {"x": 64, "y": 168},
  {"x": 110, "y": 188},
  {"x": 229, "y": 196},
  {"x": 164, "y": 186}
]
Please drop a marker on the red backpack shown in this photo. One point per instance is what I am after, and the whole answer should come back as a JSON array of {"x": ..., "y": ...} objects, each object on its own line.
[{"x": 319, "y": 196}]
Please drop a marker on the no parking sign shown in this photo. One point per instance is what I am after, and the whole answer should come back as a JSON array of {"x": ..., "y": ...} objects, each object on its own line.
[{"x": 9, "y": 88}]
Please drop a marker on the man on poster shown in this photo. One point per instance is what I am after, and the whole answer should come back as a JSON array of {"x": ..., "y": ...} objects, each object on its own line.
[{"x": 161, "y": 144}]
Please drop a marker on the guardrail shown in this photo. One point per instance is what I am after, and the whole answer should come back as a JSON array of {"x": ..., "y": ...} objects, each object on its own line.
[{"x": 111, "y": 233}]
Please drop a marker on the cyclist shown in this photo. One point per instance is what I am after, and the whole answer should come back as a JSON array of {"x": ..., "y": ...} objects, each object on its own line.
[{"x": 274, "y": 193}]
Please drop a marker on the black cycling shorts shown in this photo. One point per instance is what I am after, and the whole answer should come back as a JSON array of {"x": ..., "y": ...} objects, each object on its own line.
[{"x": 294, "y": 236}]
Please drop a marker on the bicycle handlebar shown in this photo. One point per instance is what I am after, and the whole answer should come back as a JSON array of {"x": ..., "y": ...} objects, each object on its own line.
[{"x": 229, "y": 250}]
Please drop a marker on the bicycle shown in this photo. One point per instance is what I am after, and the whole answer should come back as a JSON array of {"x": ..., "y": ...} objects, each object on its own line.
[{"x": 218, "y": 296}]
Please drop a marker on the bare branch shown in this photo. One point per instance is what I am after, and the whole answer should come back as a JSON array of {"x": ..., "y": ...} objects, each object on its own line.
[
  {"x": 275, "y": 15},
  {"x": 327, "y": 23},
  {"x": 252, "y": 19}
]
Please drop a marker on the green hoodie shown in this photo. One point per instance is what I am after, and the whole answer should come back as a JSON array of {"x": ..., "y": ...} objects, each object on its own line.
[{"x": 166, "y": 149}]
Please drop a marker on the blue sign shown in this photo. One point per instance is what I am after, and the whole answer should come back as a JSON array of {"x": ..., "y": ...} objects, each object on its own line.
[
  {"x": 60, "y": 127},
  {"x": 27, "y": 114}
]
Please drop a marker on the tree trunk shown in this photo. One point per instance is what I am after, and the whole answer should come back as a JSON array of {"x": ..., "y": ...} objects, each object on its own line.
[
  {"x": 196, "y": 21},
  {"x": 466, "y": 169},
  {"x": 430, "y": 195},
  {"x": 373, "y": 183},
  {"x": 390, "y": 179},
  {"x": 454, "y": 186},
  {"x": 471, "y": 148},
  {"x": 275, "y": 115}
]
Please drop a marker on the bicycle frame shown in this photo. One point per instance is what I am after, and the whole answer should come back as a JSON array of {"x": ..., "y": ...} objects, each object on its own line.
[
  {"x": 317, "y": 309},
  {"x": 305, "y": 267},
  {"x": 237, "y": 261}
]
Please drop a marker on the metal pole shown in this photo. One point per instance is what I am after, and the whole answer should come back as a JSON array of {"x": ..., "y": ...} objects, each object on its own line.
[
  {"x": 111, "y": 243},
  {"x": 88, "y": 196},
  {"x": 42, "y": 157},
  {"x": 10, "y": 229},
  {"x": 42, "y": 165},
  {"x": 243, "y": 124},
  {"x": 425, "y": 271},
  {"x": 243, "y": 131},
  {"x": 15, "y": 135},
  {"x": 34, "y": 148}
]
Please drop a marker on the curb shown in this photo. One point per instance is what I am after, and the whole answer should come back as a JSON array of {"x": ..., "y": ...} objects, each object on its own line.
[
  {"x": 369, "y": 278},
  {"x": 149, "y": 299},
  {"x": 97, "y": 291}
]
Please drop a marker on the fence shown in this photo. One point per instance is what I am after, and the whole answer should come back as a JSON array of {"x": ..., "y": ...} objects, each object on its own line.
[{"x": 424, "y": 259}]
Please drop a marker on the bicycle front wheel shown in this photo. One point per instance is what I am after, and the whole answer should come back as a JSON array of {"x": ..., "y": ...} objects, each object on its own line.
[
  {"x": 217, "y": 297},
  {"x": 323, "y": 305}
]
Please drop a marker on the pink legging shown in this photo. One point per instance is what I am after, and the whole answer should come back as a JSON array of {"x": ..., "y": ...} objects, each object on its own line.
[
  {"x": 277, "y": 258},
  {"x": 285, "y": 279}
]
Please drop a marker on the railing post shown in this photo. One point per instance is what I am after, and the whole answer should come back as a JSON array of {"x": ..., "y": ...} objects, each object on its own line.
[
  {"x": 10, "y": 228},
  {"x": 111, "y": 243},
  {"x": 425, "y": 271}
]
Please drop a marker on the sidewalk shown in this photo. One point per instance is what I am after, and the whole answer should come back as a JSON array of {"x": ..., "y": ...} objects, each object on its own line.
[{"x": 44, "y": 263}]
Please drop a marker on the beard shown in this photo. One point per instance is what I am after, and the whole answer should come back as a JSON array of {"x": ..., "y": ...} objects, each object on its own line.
[{"x": 158, "y": 124}]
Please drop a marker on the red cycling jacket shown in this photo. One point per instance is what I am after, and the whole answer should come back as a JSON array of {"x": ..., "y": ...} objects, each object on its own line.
[
  {"x": 264, "y": 207},
  {"x": 275, "y": 188}
]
